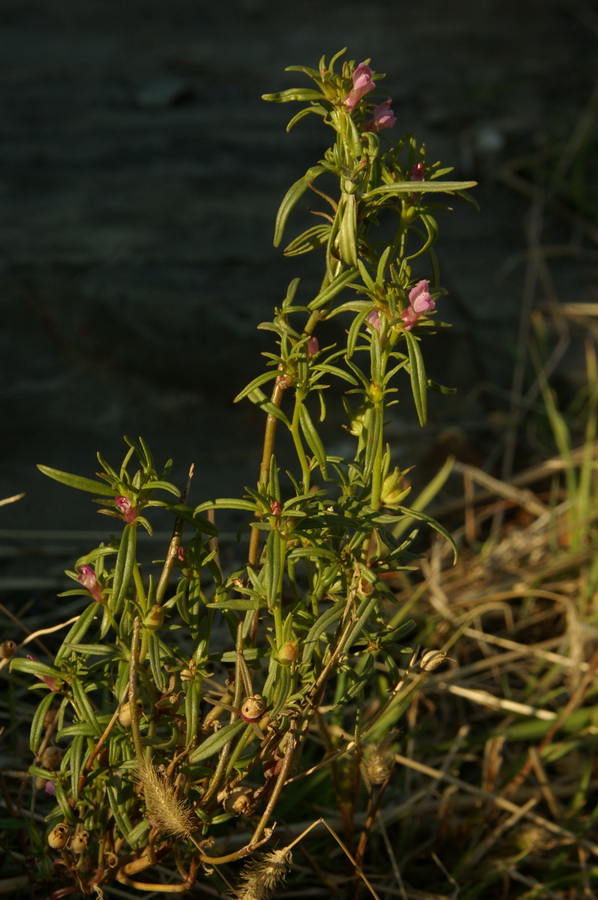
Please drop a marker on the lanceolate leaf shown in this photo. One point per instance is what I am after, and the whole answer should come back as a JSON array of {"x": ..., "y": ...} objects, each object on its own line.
[
  {"x": 420, "y": 187},
  {"x": 294, "y": 193},
  {"x": 78, "y": 482},
  {"x": 417, "y": 373}
]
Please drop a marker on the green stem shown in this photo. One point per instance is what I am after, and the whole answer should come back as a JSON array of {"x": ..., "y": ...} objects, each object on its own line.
[{"x": 376, "y": 491}]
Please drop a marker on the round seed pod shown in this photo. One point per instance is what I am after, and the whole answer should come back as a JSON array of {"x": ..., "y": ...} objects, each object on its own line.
[
  {"x": 7, "y": 649},
  {"x": 79, "y": 841},
  {"x": 124, "y": 716},
  {"x": 431, "y": 659},
  {"x": 58, "y": 837},
  {"x": 288, "y": 653},
  {"x": 253, "y": 708},
  {"x": 50, "y": 717},
  {"x": 238, "y": 802},
  {"x": 50, "y": 758}
]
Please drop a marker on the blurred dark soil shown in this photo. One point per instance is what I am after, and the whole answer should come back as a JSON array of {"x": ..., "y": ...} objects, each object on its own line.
[{"x": 140, "y": 173}]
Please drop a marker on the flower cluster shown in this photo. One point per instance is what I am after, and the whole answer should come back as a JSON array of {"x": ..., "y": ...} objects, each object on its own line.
[
  {"x": 383, "y": 117},
  {"x": 420, "y": 302},
  {"x": 87, "y": 577},
  {"x": 362, "y": 85}
]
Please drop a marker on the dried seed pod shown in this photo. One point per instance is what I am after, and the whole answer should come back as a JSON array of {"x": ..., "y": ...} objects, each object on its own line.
[
  {"x": 39, "y": 782},
  {"x": 188, "y": 674},
  {"x": 253, "y": 708},
  {"x": 288, "y": 653},
  {"x": 49, "y": 717},
  {"x": 238, "y": 802},
  {"x": 124, "y": 716},
  {"x": 79, "y": 841},
  {"x": 58, "y": 837},
  {"x": 431, "y": 659},
  {"x": 7, "y": 649},
  {"x": 50, "y": 758}
]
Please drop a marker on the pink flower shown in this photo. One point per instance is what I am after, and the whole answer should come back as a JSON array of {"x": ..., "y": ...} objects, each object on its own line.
[
  {"x": 51, "y": 682},
  {"x": 362, "y": 85},
  {"x": 313, "y": 345},
  {"x": 373, "y": 318},
  {"x": 129, "y": 512},
  {"x": 417, "y": 172},
  {"x": 50, "y": 788},
  {"x": 87, "y": 577},
  {"x": 420, "y": 302},
  {"x": 383, "y": 117}
]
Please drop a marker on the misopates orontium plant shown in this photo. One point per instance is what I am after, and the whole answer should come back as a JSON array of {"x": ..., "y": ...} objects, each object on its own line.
[{"x": 183, "y": 696}]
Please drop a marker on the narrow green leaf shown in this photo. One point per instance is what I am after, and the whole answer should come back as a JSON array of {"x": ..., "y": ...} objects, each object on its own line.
[
  {"x": 236, "y": 603},
  {"x": 256, "y": 383},
  {"x": 78, "y": 482},
  {"x": 84, "y": 708},
  {"x": 347, "y": 229},
  {"x": 273, "y": 568},
  {"x": 258, "y": 397},
  {"x": 292, "y": 196},
  {"x": 156, "y": 667},
  {"x": 417, "y": 374},
  {"x": 323, "y": 624},
  {"x": 156, "y": 484},
  {"x": 37, "y": 724},
  {"x": 79, "y": 629},
  {"x": 216, "y": 741},
  {"x": 125, "y": 826},
  {"x": 76, "y": 759},
  {"x": 227, "y": 503},
  {"x": 192, "y": 704},
  {"x": 334, "y": 288},
  {"x": 123, "y": 569},
  {"x": 309, "y": 240},
  {"x": 420, "y": 187},
  {"x": 313, "y": 439},
  {"x": 35, "y": 667},
  {"x": 314, "y": 108},
  {"x": 301, "y": 94}
]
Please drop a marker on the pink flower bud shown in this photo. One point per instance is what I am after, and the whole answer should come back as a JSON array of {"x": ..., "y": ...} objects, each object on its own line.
[
  {"x": 87, "y": 577},
  {"x": 417, "y": 172},
  {"x": 47, "y": 679},
  {"x": 276, "y": 509},
  {"x": 373, "y": 318},
  {"x": 129, "y": 512},
  {"x": 362, "y": 85},
  {"x": 313, "y": 346},
  {"x": 420, "y": 302},
  {"x": 383, "y": 117}
]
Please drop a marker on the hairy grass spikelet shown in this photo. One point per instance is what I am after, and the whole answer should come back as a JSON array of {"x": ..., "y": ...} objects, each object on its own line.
[
  {"x": 375, "y": 764},
  {"x": 166, "y": 812},
  {"x": 263, "y": 874}
]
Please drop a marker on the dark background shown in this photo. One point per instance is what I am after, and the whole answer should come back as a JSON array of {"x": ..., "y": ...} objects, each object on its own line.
[{"x": 140, "y": 173}]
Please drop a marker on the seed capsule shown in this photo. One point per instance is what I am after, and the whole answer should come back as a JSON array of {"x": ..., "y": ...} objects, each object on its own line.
[
  {"x": 59, "y": 836},
  {"x": 79, "y": 841},
  {"x": 238, "y": 802},
  {"x": 431, "y": 659},
  {"x": 253, "y": 708},
  {"x": 7, "y": 649},
  {"x": 50, "y": 758}
]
